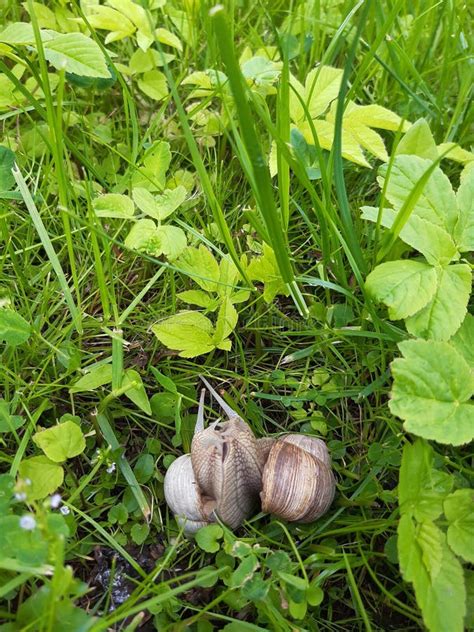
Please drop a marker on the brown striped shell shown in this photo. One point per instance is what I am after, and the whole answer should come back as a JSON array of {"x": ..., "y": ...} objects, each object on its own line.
[{"x": 298, "y": 486}]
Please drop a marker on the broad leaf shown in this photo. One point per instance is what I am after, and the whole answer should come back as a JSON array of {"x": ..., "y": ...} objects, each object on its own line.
[
  {"x": 404, "y": 286},
  {"x": 208, "y": 538},
  {"x": 459, "y": 511},
  {"x": 441, "y": 595},
  {"x": 76, "y": 53},
  {"x": 190, "y": 333},
  {"x": 201, "y": 266},
  {"x": 226, "y": 321},
  {"x": 418, "y": 141},
  {"x": 45, "y": 476},
  {"x": 96, "y": 377},
  {"x": 61, "y": 442},
  {"x": 114, "y": 205},
  {"x": 199, "y": 298},
  {"x": 265, "y": 269},
  {"x": 14, "y": 329},
  {"x": 142, "y": 237},
  {"x": 437, "y": 202},
  {"x": 443, "y": 315},
  {"x": 166, "y": 37},
  {"x": 153, "y": 84},
  {"x": 464, "y": 230},
  {"x": 431, "y": 391},
  {"x": 463, "y": 340},
  {"x": 421, "y": 488},
  {"x": 159, "y": 206},
  {"x": 109, "y": 19},
  {"x": 321, "y": 88},
  {"x": 22, "y": 33},
  {"x": 151, "y": 174},
  {"x": 172, "y": 241}
]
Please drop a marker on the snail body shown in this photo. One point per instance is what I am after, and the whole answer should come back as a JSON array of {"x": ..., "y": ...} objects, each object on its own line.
[{"x": 229, "y": 471}]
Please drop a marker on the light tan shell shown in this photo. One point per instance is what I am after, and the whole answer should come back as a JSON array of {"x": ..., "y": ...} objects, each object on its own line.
[
  {"x": 297, "y": 485},
  {"x": 190, "y": 507},
  {"x": 228, "y": 468},
  {"x": 314, "y": 446}
]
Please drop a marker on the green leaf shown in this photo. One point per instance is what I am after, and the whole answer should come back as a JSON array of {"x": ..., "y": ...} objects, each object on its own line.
[
  {"x": 169, "y": 201},
  {"x": 404, "y": 286},
  {"x": 142, "y": 236},
  {"x": 201, "y": 266},
  {"x": 9, "y": 422},
  {"x": 437, "y": 202},
  {"x": 113, "y": 205},
  {"x": 419, "y": 141},
  {"x": 463, "y": 340},
  {"x": 421, "y": 489},
  {"x": 139, "y": 533},
  {"x": 431, "y": 240},
  {"x": 320, "y": 89},
  {"x": 169, "y": 39},
  {"x": 431, "y": 391},
  {"x": 137, "y": 394},
  {"x": 22, "y": 33},
  {"x": 144, "y": 468},
  {"x": 172, "y": 241},
  {"x": 440, "y": 596},
  {"x": 190, "y": 333},
  {"x": 153, "y": 84},
  {"x": 7, "y": 161},
  {"x": 96, "y": 377},
  {"x": 431, "y": 545},
  {"x": 245, "y": 570},
  {"x": 464, "y": 230},
  {"x": 102, "y": 17},
  {"x": 208, "y": 538},
  {"x": 61, "y": 442},
  {"x": 14, "y": 329},
  {"x": 459, "y": 511},
  {"x": 45, "y": 476},
  {"x": 76, "y": 53},
  {"x": 118, "y": 513},
  {"x": 265, "y": 269},
  {"x": 151, "y": 174},
  {"x": 443, "y": 315},
  {"x": 226, "y": 320},
  {"x": 199, "y": 298}
]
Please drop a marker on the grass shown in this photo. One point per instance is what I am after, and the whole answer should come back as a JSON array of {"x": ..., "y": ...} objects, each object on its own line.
[{"x": 91, "y": 301}]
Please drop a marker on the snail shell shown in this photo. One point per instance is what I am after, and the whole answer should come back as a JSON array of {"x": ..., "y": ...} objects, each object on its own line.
[
  {"x": 298, "y": 484},
  {"x": 228, "y": 468},
  {"x": 191, "y": 508}
]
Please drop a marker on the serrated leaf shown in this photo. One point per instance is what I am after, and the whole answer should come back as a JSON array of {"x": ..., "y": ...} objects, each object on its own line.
[
  {"x": 442, "y": 597},
  {"x": 437, "y": 202},
  {"x": 142, "y": 237},
  {"x": 201, "y": 265},
  {"x": 190, "y": 333},
  {"x": 113, "y": 205},
  {"x": 431, "y": 240},
  {"x": 226, "y": 320},
  {"x": 45, "y": 476},
  {"x": 431, "y": 391},
  {"x": 7, "y": 161},
  {"x": 430, "y": 541},
  {"x": 61, "y": 442},
  {"x": 208, "y": 538},
  {"x": 459, "y": 511},
  {"x": 443, "y": 315},
  {"x": 159, "y": 206},
  {"x": 265, "y": 269},
  {"x": 320, "y": 89},
  {"x": 421, "y": 489},
  {"x": 463, "y": 340},
  {"x": 464, "y": 229},
  {"x": 153, "y": 83},
  {"x": 76, "y": 53},
  {"x": 22, "y": 33},
  {"x": 418, "y": 141},
  {"x": 14, "y": 329},
  {"x": 404, "y": 286},
  {"x": 151, "y": 174},
  {"x": 172, "y": 241},
  {"x": 96, "y": 377}
]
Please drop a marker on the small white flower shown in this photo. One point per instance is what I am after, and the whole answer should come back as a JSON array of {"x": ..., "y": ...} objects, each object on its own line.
[
  {"x": 20, "y": 496},
  {"x": 111, "y": 468},
  {"x": 55, "y": 501},
  {"x": 28, "y": 523},
  {"x": 65, "y": 510}
]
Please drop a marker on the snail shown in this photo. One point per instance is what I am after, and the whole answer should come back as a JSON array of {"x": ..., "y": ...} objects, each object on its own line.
[{"x": 229, "y": 472}]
